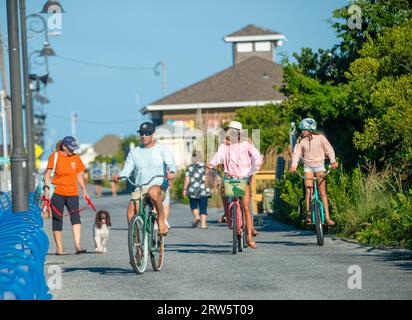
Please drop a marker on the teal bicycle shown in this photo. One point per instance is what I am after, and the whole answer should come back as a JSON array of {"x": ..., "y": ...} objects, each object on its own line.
[
  {"x": 143, "y": 234},
  {"x": 316, "y": 205}
]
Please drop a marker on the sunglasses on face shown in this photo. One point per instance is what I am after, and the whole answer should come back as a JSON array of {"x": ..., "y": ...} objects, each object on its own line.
[{"x": 145, "y": 133}]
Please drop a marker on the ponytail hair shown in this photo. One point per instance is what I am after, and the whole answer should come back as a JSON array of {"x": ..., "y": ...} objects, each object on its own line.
[{"x": 59, "y": 146}]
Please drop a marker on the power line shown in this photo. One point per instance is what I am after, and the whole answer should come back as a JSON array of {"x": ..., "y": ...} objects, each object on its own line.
[
  {"x": 106, "y": 66},
  {"x": 91, "y": 121}
]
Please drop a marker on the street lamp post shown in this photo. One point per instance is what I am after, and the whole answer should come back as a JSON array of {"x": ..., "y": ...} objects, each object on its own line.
[
  {"x": 45, "y": 52},
  {"x": 18, "y": 157},
  {"x": 31, "y": 166}
]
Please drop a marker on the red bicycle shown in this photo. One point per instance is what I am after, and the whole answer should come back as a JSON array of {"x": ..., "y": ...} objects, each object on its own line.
[{"x": 234, "y": 190}]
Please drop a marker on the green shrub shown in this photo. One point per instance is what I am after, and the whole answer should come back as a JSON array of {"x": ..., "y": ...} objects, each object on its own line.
[
  {"x": 394, "y": 226},
  {"x": 365, "y": 206},
  {"x": 176, "y": 191}
]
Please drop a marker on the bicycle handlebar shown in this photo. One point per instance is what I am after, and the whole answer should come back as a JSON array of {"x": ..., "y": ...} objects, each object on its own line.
[
  {"x": 314, "y": 178},
  {"x": 222, "y": 176},
  {"x": 142, "y": 184}
]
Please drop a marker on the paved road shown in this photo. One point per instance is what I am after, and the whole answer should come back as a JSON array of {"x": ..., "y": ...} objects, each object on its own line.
[{"x": 199, "y": 264}]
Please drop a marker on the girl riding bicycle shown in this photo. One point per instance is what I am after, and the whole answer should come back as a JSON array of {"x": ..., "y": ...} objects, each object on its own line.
[
  {"x": 313, "y": 148},
  {"x": 240, "y": 160}
]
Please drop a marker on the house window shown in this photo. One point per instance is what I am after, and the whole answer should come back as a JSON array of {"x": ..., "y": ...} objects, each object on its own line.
[
  {"x": 245, "y": 47},
  {"x": 263, "y": 46}
]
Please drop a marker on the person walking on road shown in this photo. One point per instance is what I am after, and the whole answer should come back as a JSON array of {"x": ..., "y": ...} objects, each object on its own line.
[
  {"x": 197, "y": 191},
  {"x": 68, "y": 174},
  {"x": 146, "y": 161},
  {"x": 96, "y": 173},
  {"x": 112, "y": 170}
]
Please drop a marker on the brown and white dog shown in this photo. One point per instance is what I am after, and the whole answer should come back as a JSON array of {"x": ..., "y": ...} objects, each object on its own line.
[{"x": 101, "y": 230}]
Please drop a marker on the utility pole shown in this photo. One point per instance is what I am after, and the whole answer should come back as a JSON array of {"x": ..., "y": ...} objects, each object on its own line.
[
  {"x": 5, "y": 89},
  {"x": 74, "y": 124},
  {"x": 164, "y": 76},
  {"x": 5, "y": 177},
  {"x": 164, "y": 85},
  {"x": 31, "y": 166},
  {"x": 18, "y": 158}
]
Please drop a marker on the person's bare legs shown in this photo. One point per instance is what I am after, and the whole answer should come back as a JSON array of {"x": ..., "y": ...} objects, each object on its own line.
[
  {"x": 58, "y": 240},
  {"x": 203, "y": 221},
  {"x": 309, "y": 188},
  {"x": 196, "y": 215},
  {"x": 248, "y": 216},
  {"x": 113, "y": 187},
  {"x": 130, "y": 210},
  {"x": 324, "y": 197},
  {"x": 166, "y": 208},
  {"x": 225, "y": 206},
  {"x": 76, "y": 236},
  {"x": 98, "y": 190},
  {"x": 156, "y": 195}
]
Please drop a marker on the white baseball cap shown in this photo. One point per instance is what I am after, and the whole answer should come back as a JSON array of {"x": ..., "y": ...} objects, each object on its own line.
[{"x": 235, "y": 125}]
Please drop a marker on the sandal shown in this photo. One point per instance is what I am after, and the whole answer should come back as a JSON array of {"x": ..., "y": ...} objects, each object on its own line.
[
  {"x": 163, "y": 232},
  {"x": 196, "y": 223},
  {"x": 308, "y": 219},
  {"x": 255, "y": 232},
  {"x": 251, "y": 244},
  {"x": 61, "y": 254},
  {"x": 223, "y": 219},
  {"x": 330, "y": 222},
  {"x": 81, "y": 251}
]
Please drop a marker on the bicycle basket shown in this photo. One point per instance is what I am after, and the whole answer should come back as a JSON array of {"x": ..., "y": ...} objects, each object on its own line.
[{"x": 234, "y": 187}]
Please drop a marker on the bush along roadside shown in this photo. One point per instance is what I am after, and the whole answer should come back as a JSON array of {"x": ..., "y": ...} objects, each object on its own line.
[
  {"x": 176, "y": 191},
  {"x": 367, "y": 206}
]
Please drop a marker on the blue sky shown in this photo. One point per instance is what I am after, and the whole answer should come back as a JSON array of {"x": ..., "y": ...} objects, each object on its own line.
[{"x": 186, "y": 34}]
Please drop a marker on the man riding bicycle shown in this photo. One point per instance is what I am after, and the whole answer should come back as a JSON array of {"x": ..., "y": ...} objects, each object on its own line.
[{"x": 146, "y": 161}]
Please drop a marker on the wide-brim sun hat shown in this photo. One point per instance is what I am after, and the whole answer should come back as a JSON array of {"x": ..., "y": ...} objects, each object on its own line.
[{"x": 236, "y": 125}]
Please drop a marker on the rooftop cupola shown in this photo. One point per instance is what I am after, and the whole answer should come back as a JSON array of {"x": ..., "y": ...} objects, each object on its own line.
[{"x": 253, "y": 41}]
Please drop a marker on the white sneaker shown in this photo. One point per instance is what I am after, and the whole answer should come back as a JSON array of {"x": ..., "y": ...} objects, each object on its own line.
[{"x": 167, "y": 224}]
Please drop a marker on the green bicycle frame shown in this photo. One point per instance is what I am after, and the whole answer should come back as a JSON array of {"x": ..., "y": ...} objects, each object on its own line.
[
  {"x": 147, "y": 223},
  {"x": 315, "y": 197}
]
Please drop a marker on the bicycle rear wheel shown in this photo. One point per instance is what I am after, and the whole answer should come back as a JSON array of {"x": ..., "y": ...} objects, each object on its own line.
[
  {"x": 235, "y": 234},
  {"x": 157, "y": 250},
  {"x": 138, "y": 245},
  {"x": 318, "y": 224}
]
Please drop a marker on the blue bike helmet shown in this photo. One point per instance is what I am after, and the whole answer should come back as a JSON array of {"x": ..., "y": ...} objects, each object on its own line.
[{"x": 308, "y": 124}]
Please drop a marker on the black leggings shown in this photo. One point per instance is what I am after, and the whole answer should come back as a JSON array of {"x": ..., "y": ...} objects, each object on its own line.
[{"x": 71, "y": 203}]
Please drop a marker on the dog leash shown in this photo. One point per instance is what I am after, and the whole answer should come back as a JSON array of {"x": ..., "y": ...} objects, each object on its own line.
[{"x": 47, "y": 204}]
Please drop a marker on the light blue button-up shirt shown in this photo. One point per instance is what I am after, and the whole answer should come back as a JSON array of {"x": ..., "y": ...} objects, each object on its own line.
[{"x": 148, "y": 162}]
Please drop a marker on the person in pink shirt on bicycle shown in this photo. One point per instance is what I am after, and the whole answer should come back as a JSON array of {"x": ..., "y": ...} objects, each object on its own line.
[
  {"x": 240, "y": 159},
  {"x": 313, "y": 148}
]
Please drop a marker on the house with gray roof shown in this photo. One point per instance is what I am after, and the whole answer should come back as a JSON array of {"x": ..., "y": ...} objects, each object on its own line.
[{"x": 250, "y": 81}]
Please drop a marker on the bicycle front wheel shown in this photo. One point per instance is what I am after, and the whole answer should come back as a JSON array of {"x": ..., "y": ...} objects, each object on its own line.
[
  {"x": 138, "y": 245},
  {"x": 158, "y": 247},
  {"x": 241, "y": 231},
  {"x": 318, "y": 224}
]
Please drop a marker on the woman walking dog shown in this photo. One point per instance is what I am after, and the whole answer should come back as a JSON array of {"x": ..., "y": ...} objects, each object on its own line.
[{"x": 68, "y": 173}]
